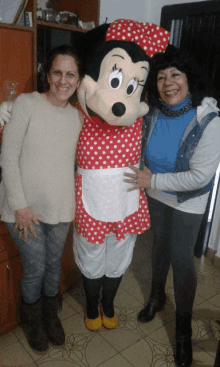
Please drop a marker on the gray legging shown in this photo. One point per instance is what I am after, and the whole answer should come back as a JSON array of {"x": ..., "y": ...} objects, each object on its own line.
[
  {"x": 41, "y": 259},
  {"x": 175, "y": 235}
]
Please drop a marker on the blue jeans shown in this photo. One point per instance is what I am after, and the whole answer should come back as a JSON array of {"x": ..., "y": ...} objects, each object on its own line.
[{"x": 41, "y": 259}]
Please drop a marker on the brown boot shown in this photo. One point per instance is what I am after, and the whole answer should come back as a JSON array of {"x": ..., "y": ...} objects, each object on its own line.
[
  {"x": 33, "y": 326},
  {"x": 52, "y": 324}
]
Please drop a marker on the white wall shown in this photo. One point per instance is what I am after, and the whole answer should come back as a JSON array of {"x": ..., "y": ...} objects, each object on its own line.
[
  {"x": 125, "y": 9},
  {"x": 139, "y": 10}
]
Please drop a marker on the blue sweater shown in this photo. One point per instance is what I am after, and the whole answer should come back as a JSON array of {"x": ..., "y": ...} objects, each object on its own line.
[{"x": 163, "y": 146}]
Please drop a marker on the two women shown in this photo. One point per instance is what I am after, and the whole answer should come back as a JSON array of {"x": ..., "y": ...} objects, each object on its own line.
[
  {"x": 180, "y": 155},
  {"x": 39, "y": 145}
]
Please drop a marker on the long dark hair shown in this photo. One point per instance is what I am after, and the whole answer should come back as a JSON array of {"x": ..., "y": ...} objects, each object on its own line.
[{"x": 198, "y": 83}]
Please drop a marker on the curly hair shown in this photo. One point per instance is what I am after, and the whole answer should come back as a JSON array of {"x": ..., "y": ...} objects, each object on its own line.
[{"x": 198, "y": 84}]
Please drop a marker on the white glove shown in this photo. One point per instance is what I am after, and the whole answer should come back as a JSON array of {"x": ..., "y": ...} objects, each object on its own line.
[{"x": 5, "y": 112}]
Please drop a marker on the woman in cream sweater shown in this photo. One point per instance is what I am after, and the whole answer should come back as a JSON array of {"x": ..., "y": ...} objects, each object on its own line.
[{"x": 38, "y": 156}]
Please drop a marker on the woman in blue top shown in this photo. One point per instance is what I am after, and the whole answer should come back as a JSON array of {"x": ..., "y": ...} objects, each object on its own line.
[{"x": 180, "y": 155}]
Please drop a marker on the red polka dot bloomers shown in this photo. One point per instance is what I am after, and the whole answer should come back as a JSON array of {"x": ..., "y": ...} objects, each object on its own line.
[{"x": 102, "y": 147}]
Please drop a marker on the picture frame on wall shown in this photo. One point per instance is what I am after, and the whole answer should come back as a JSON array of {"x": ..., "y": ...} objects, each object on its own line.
[{"x": 11, "y": 10}]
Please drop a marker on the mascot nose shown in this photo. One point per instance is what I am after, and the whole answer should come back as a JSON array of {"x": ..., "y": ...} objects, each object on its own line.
[{"x": 118, "y": 109}]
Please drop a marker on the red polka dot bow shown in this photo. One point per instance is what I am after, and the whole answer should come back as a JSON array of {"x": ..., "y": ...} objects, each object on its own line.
[{"x": 150, "y": 37}]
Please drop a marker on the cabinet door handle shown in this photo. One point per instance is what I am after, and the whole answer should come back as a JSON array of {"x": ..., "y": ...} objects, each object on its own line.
[
  {"x": 8, "y": 272},
  {"x": 3, "y": 249}
]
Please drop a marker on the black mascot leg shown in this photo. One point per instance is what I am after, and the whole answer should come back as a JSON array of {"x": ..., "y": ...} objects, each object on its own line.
[
  {"x": 110, "y": 287},
  {"x": 92, "y": 290}
]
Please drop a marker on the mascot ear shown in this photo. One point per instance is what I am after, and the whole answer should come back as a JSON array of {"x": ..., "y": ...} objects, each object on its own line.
[{"x": 90, "y": 40}]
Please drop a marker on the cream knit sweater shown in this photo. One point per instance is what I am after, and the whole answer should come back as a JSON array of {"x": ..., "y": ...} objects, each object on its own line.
[{"x": 38, "y": 156}]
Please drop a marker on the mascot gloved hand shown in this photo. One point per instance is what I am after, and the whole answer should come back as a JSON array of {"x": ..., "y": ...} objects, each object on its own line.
[{"x": 112, "y": 98}]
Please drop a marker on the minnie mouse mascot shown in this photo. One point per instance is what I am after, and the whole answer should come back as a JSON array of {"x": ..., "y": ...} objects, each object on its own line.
[{"x": 108, "y": 217}]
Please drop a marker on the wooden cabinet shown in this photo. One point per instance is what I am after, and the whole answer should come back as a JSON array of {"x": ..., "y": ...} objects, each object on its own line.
[
  {"x": 10, "y": 279},
  {"x": 19, "y": 44},
  {"x": 20, "y": 49},
  {"x": 20, "y": 66}
]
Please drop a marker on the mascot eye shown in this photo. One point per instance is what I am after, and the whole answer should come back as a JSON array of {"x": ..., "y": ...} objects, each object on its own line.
[
  {"x": 132, "y": 86},
  {"x": 115, "y": 79}
]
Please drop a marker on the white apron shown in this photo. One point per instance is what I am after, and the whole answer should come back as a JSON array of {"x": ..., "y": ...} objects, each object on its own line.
[{"x": 105, "y": 196}]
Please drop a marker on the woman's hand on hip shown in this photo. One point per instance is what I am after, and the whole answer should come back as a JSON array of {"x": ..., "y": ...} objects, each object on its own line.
[
  {"x": 24, "y": 219},
  {"x": 140, "y": 179}
]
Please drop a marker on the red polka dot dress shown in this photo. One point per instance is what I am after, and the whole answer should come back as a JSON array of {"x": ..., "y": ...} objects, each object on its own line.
[{"x": 102, "y": 146}]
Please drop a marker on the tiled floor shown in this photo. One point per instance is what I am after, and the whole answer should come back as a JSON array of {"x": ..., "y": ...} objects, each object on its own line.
[{"x": 132, "y": 343}]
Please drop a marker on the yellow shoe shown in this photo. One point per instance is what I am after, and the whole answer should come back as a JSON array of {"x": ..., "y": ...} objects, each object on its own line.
[
  {"x": 111, "y": 323},
  {"x": 93, "y": 325}
]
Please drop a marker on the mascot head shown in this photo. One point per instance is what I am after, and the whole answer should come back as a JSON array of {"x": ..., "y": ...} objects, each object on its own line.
[{"x": 117, "y": 65}]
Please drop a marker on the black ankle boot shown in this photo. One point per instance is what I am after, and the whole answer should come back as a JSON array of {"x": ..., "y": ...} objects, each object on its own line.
[
  {"x": 183, "y": 356},
  {"x": 155, "y": 304}
]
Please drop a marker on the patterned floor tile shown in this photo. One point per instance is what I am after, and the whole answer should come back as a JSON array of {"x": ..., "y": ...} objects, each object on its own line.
[
  {"x": 150, "y": 327},
  {"x": 66, "y": 311},
  {"x": 206, "y": 291},
  {"x": 8, "y": 339},
  {"x": 77, "y": 304},
  {"x": 121, "y": 338},
  {"x": 105, "y": 351},
  {"x": 207, "y": 310},
  {"x": 75, "y": 325},
  {"x": 201, "y": 358},
  {"x": 139, "y": 354},
  {"x": 15, "y": 355},
  {"x": 162, "y": 354},
  {"x": 163, "y": 336},
  {"x": 116, "y": 361},
  {"x": 140, "y": 293},
  {"x": 216, "y": 300},
  {"x": 131, "y": 280},
  {"x": 37, "y": 356},
  {"x": 127, "y": 301},
  {"x": 132, "y": 344}
]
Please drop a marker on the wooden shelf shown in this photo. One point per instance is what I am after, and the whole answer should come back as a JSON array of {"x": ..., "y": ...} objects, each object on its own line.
[
  {"x": 18, "y": 27},
  {"x": 60, "y": 26}
]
